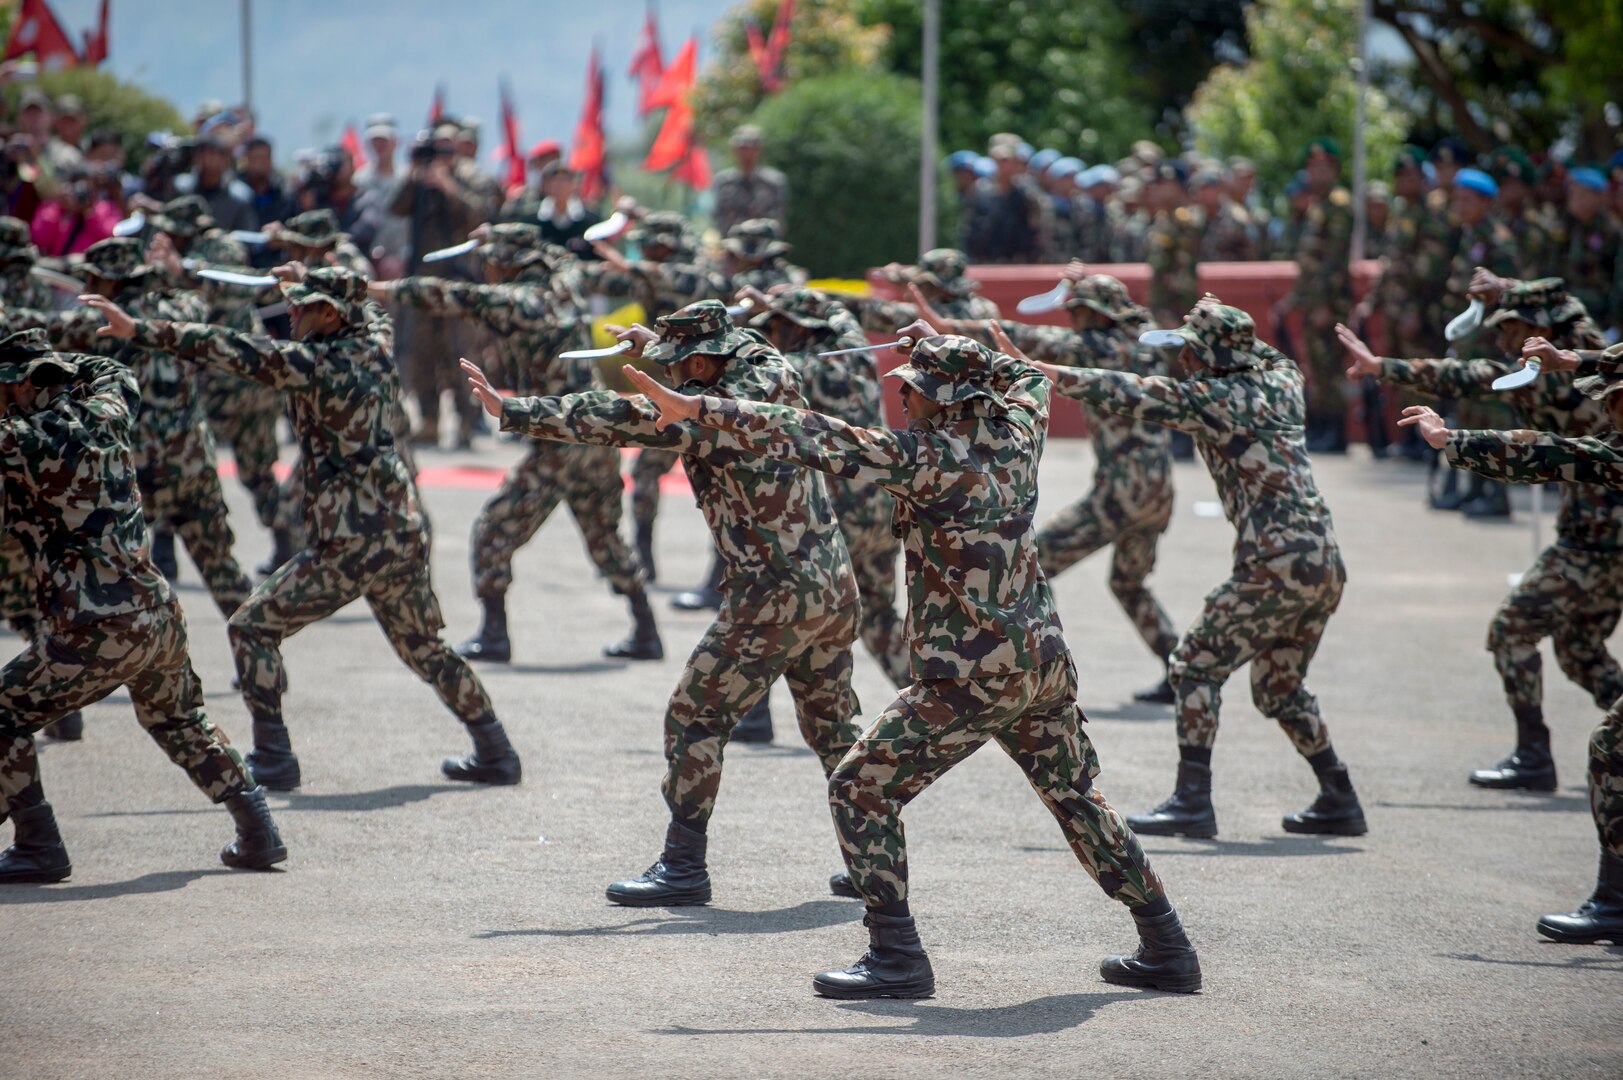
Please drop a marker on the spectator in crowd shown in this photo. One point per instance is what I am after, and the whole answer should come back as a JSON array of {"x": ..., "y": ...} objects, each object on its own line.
[
  {"x": 17, "y": 172},
  {"x": 264, "y": 189},
  {"x": 211, "y": 178},
  {"x": 525, "y": 204},
  {"x": 749, "y": 189},
  {"x": 105, "y": 156},
  {"x": 75, "y": 216},
  {"x": 64, "y": 149},
  {"x": 563, "y": 217}
]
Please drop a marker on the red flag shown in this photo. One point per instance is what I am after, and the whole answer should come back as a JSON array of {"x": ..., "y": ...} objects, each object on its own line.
[
  {"x": 647, "y": 64},
  {"x": 515, "y": 156},
  {"x": 757, "y": 48},
  {"x": 37, "y": 31},
  {"x": 675, "y": 139},
  {"x": 437, "y": 109},
  {"x": 351, "y": 142},
  {"x": 588, "y": 156},
  {"x": 677, "y": 79},
  {"x": 695, "y": 169},
  {"x": 778, "y": 46},
  {"x": 96, "y": 40}
]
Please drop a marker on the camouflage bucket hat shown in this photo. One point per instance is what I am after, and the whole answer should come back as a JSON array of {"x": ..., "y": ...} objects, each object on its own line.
[
  {"x": 118, "y": 258},
  {"x": 185, "y": 216},
  {"x": 1598, "y": 387},
  {"x": 16, "y": 243},
  {"x": 1104, "y": 294},
  {"x": 1533, "y": 302},
  {"x": 661, "y": 227},
  {"x": 801, "y": 306},
  {"x": 1223, "y": 337},
  {"x": 343, "y": 289},
  {"x": 514, "y": 245},
  {"x": 949, "y": 368},
  {"x": 756, "y": 238},
  {"x": 25, "y": 352},
  {"x": 944, "y": 268},
  {"x": 703, "y": 328},
  {"x": 311, "y": 229}
]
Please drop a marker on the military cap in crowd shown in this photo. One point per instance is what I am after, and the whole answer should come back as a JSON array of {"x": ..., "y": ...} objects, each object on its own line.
[
  {"x": 756, "y": 238},
  {"x": 948, "y": 368},
  {"x": 16, "y": 242},
  {"x": 118, "y": 258},
  {"x": 1223, "y": 337},
  {"x": 336, "y": 286},
  {"x": 514, "y": 245},
  {"x": 701, "y": 329},
  {"x": 800, "y": 305},
  {"x": 24, "y": 353},
  {"x": 185, "y": 216}
]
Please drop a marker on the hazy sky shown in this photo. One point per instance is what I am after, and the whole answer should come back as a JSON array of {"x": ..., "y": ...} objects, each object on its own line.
[{"x": 318, "y": 65}]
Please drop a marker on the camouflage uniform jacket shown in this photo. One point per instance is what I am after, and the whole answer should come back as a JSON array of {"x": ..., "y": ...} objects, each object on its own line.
[
  {"x": 1534, "y": 457},
  {"x": 1131, "y": 456},
  {"x": 343, "y": 394},
  {"x": 785, "y": 557},
  {"x": 234, "y": 306},
  {"x": 660, "y": 287},
  {"x": 762, "y": 194},
  {"x": 1418, "y": 246},
  {"x": 1488, "y": 244},
  {"x": 1590, "y": 264},
  {"x": 846, "y": 387},
  {"x": 532, "y": 326},
  {"x": 71, "y": 501},
  {"x": 1231, "y": 235},
  {"x": 769, "y": 274},
  {"x": 1096, "y": 226},
  {"x": 1174, "y": 258},
  {"x": 1130, "y": 240},
  {"x": 966, "y": 489},
  {"x": 1322, "y": 248},
  {"x": 21, "y": 289},
  {"x": 885, "y": 316},
  {"x": 1536, "y": 250},
  {"x": 1249, "y": 428}
]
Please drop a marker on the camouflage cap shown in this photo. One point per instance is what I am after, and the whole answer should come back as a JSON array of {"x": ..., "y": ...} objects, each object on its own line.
[
  {"x": 1599, "y": 387},
  {"x": 756, "y": 238},
  {"x": 948, "y": 368},
  {"x": 945, "y": 269},
  {"x": 661, "y": 227},
  {"x": 311, "y": 229},
  {"x": 702, "y": 328},
  {"x": 514, "y": 245},
  {"x": 16, "y": 242},
  {"x": 118, "y": 258},
  {"x": 1532, "y": 302},
  {"x": 336, "y": 286},
  {"x": 25, "y": 352},
  {"x": 800, "y": 305},
  {"x": 747, "y": 135},
  {"x": 1223, "y": 337},
  {"x": 1106, "y": 295},
  {"x": 185, "y": 216}
]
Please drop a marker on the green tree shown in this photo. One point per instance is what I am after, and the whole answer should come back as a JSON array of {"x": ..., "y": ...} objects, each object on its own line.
[
  {"x": 1297, "y": 85},
  {"x": 849, "y": 145},
  {"x": 116, "y": 106},
  {"x": 1058, "y": 72}
]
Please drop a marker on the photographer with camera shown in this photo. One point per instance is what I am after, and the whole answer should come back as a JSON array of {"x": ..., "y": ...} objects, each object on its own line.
[
  {"x": 17, "y": 173},
  {"x": 76, "y": 216}
]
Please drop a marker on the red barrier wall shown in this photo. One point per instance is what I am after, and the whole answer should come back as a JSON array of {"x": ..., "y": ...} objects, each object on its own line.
[{"x": 1254, "y": 286}]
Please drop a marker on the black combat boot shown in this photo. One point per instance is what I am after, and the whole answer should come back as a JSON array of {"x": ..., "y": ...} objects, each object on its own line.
[
  {"x": 645, "y": 550},
  {"x": 1336, "y": 810},
  {"x": 706, "y": 597},
  {"x": 754, "y": 726},
  {"x": 1188, "y": 812},
  {"x": 1601, "y": 916},
  {"x": 894, "y": 965},
  {"x": 1530, "y": 767},
  {"x": 491, "y": 643},
  {"x": 644, "y": 643},
  {"x": 163, "y": 554},
  {"x": 36, "y": 852},
  {"x": 840, "y": 885},
  {"x": 678, "y": 879},
  {"x": 493, "y": 761},
  {"x": 272, "y": 760},
  {"x": 1159, "y": 694},
  {"x": 258, "y": 845},
  {"x": 1164, "y": 961},
  {"x": 69, "y": 728},
  {"x": 1491, "y": 501},
  {"x": 281, "y": 552}
]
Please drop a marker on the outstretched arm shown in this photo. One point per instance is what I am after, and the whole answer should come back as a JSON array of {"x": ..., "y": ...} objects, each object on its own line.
[
  {"x": 1520, "y": 456},
  {"x": 281, "y": 364}
]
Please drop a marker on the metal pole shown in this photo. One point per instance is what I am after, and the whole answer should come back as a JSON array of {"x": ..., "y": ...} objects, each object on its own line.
[
  {"x": 928, "y": 133},
  {"x": 247, "y": 56},
  {"x": 1360, "y": 164}
]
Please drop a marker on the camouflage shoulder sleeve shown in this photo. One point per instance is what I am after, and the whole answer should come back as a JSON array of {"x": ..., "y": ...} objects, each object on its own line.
[
  {"x": 893, "y": 459},
  {"x": 1026, "y": 389},
  {"x": 285, "y": 365},
  {"x": 1606, "y": 361},
  {"x": 74, "y": 330},
  {"x": 883, "y": 315},
  {"x": 600, "y": 418},
  {"x": 1443, "y": 377},
  {"x": 1156, "y": 398},
  {"x": 1053, "y": 344},
  {"x": 1535, "y": 456}
]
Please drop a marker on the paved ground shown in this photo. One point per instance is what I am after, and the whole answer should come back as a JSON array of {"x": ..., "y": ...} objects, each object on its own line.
[{"x": 426, "y": 930}]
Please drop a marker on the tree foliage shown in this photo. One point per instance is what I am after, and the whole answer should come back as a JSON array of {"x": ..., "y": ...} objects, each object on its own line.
[
  {"x": 110, "y": 104},
  {"x": 1297, "y": 85}
]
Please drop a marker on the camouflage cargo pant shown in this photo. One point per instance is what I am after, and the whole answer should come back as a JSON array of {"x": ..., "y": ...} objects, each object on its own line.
[
  {"x": 587, "y": 479},
  {"x": 874, "y": 547},
  {"x": 180, "y": 487},
  {"x": 391, "y": 573},
  {"x": 731, "y": 669},
  {"x": 1271, "y": 614},
  {"x": 646, "y": 473},
  {"x": 935, "y": 724},
  {"x": 1574, "y": 598},
  {"x": 17, "y": 600},
  {"x": 1326, "y": 364},
  {"x": 1606, "y": 778},
  {"x": 1134, "y": 526},
  {"x": 68, "y": 667},
  {"x": 243, "y": 414},
  {"x": 290, "y": 506},
  {"x": 430, "y": 345}
]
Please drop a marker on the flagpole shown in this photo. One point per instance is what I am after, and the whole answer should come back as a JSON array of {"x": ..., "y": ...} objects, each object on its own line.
[
  {"x": 1360, "y": 121},
  {"x": 927, "y": 132},
  {"x": 247, "y": 56}
]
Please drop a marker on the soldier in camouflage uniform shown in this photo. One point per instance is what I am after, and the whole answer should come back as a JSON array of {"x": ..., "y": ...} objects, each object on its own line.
[
  {"x": 989, "y": 658},
  {"x": 755, "y": 257},
  {"x": 1323, "y": 291},
  {"x": 1527, "y": 221},
  {"x": 1175, "y": 236},
  {"x": 1573, "y": 594},
  {"x": 19, "y": 288},
  {"x": 800, "y": 323},
  {"x": 532, "y": 325},
  {"x": 1526, "y": 456},
  {"x": 1589, "y": 240},
  {"x": 70, "y": 497},
  {"x": 1242, "y": 402},
  {"x": 941, "y": 275},
  {"x": 750, "y": 189},
  {"x": 174, "y": 450},
  {"x": 1130, "y": 504},
  {"x": 790, "y": 606},
  {"x": 1230, "y": 230},
  {"x": 367, "y": 536}
]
